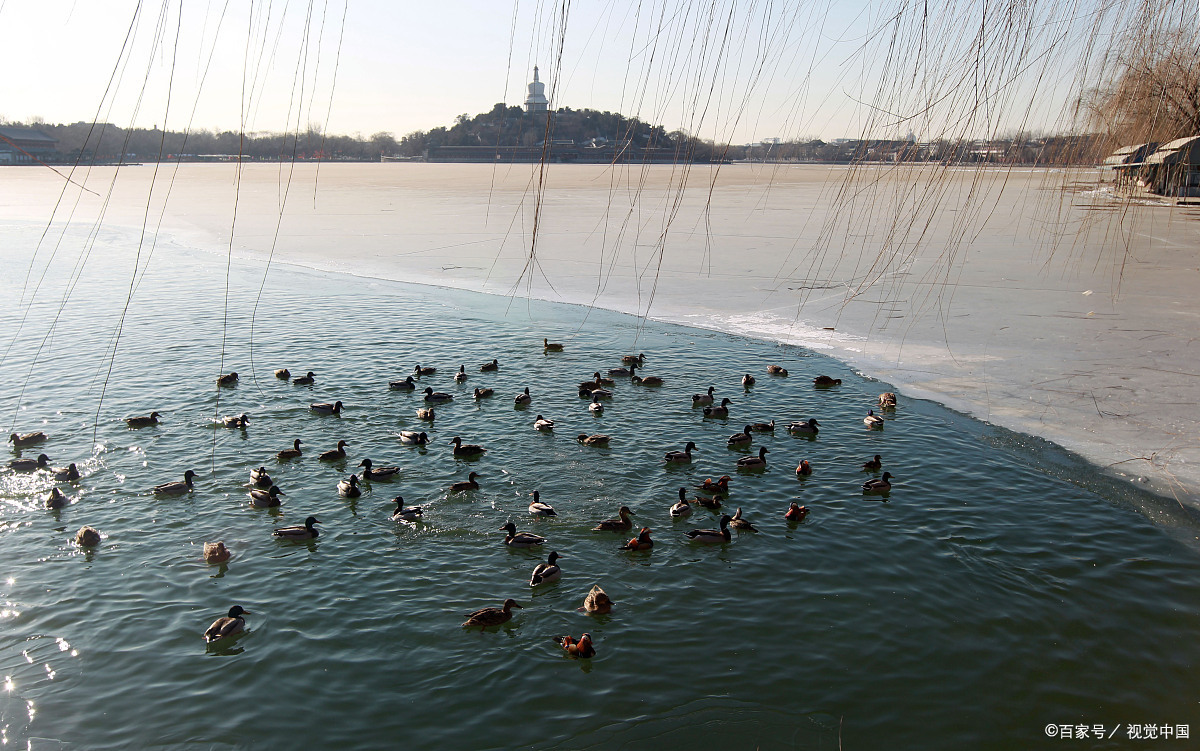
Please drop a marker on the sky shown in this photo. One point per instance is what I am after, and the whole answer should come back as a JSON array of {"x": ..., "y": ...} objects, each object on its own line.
[{"x": 730, "y": 71}]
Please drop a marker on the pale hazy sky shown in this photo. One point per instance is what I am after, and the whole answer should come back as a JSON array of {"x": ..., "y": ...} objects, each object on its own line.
[{"x": 723, "y": 69}]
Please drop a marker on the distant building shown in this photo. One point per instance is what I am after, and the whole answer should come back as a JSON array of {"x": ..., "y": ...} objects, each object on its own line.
[
  {"x": 535, "y": 100},
  {"x": 1172, "y": 169},
  {"x": 26, "y": 146}
]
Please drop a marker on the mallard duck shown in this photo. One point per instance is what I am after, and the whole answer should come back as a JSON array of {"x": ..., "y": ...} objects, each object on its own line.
[
  {"x": 69, "y": 473},
  {"x": 283, "y": 374},
  {"x": 56, "y": 499},
  {"x": 30, "y": 465},
  {"x": 143, "y": 421},
  {"x": 873, "y": 420},
  {"x": 419, "y": 371},
  {"x": 229, "y": 379},
  {"x": 599, "y": 393},
  {"x": 600, "y": 380},
  {"x": 493, "y": 365},
  {"x": 804, "y": 469},
  {"x": 292, "y": 453},
  {"x": 738, "y": 439},
  {"x": 236, "y": 421},
  {"x": 413, "y": 438},
  {"x": 465, "y": 485},
  {"x": 796, "y": 512},
  {"x": 537, "y": 508},
  {"x": 266, "y": 498},
  {"x": 681, "y": 508},
  {"x": 523, "y": 398},
  {"x": 777, "y": 370},
  {"x": 325, "y": 408},
  {"x": 541, "y": 423},
  {"x": 305, "y": 380},
  {"x": 216, "y": 552},
  {"x": 87, "y": 537},
  {"x": 461, "y": 375},
  {"x": 874, "y": 465},
  {"x": 515, "y": 539},
  {"x": 231, "y": 624},
  {"x": 582, "y": 648},
  {"x": 809, "y": 427},
  {"x": 643, "y": 381},
  {"x": 748, "y": 381},
  {"x": 882, "y": 485},
  {"x": 483, "y": 393},
  {"x": 597, "y": 601},
  {"x": 466, "y": 449},
  {"x": 704, "y": 398},
  {"x": 260, "y": 478},
  {"x": 597, "y": 439},
  {"x": 718, "y": 411},
  {"x": 334, "y": 455},
  {"x": 305, "y": 532},
  {"x": 754, "y": 462},
  {"x": 712, "y": 535},
  {"x": 596, "y": 407},
  {"x": 634, "y": 359},
  {"x": 641, "y": 542},
  {"x": 426, "y": 413},
  {"x": 485, "y": 617},
  {"x": 549, "y": 346},
  {"x": 763, "y": 427},
  {"x": 825, "y": 380},
  {"x": 546, "y": 572},
  {"x": 176, "y": 488},
  {"x": 620, "y": 372},
  {"x": 348, "y": 487},
  {"x": 377, "y": 473},
  {"x": 408, "y": 384},
  {"x": 887, "y": 400},
  {"x": 402, "y": 514},
  {"x": 737, "y": 522},
  {"x": 681, "y": 457},
  {"x": 27, "y": 439},
  {"x": 620, "y": 524},
  {"x": 720, "y": 485}
]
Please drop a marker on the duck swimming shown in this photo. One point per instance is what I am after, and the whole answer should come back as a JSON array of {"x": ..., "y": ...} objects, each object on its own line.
[
  {"x": 305, "y": 380},
  {"x": 620, "y": 524},
  {"x": 334, "y": 455},
  {"x": 542, "y": 423},
  {"x": 348, "y": 488},
  {"x": 87, "y": 537},
  {"x": 176, "y": 488},
  {"x": 408, "y": 384},
  {"x": 582, "y": 648},
  {"x": 796, "y": 513},
  {"x": 641, "y": 542},
  {"x": 30, "y": 465},
  {"x": 704, "y": 398},
  {"x": 596, "y": 407},
  {"x": 216, "y": 552},
  {"x": 646, "y": 381},
  {"x": 825, "y": 380},
  {"x": 719, "y": 411},
  {"x": 738, "y": 439},
  {"x": 874, "y": 465},
  {"x": 546, "y": 572},
  {"x": 549, "y": 346},
  {"x": 413, "y": 438},
  {"x": 712, "y": 504},
  {"x": 143, "y": 421},
  {"x": 487, "y": 366},
  {"x": 466, "y": 449},
  {"x": 887, "y": 400},
  {"x": 27, "y": 439},
  {"x": 681, "y": 508},
  {"x": 69, "y": 473},
  {"x": 873, "y": 420},
  {"x": 260, "y": 478},
  {"x": 325, "y": 408},
  {"x": 805, "y": 428},
  {"x": 634, "y": 359},
  {"x": 283, "y": 374},
  {"x": 461, "y": 375},
  {"x": 597, "y": 601},
  {"x": 56, "y": 499},
  {"x": 305, "y": 532},
  {"x": 266, "y": 498},
  {"x": 748, "y": 381},
  {"x": 292, "y": 453},
  {"x": 804, "y": 469},
  {"x": 426, "y": 413},
  {"x": 777, "y": 370},
  {"x": 719, "y": 486},
  {"x": 882, "y": 485},
  {"x": 485, "y": 617},
  {"x": 754, "y": 462},
  {"x": 419, "y": 371},
  {"x": 681, "y": 457},
  {"x": 377, "y": 474},
  {"x": 236, "y": 421},
  {"x": 483, "y": 393},
  {"x": 523, "y": 398},
  {"x": 229, "y": 379},
  {"x": 620, "y": 372},
  {"x": 763, "y": 427},
  {"x": 537, "y": 508},
  {"x": 515, "y": 539},
  {"x": 231, "y": 624},
  {"x": 465, "y": 485},
  {"x": 596, "y": 439},
  {"x": 712, "y": 535},
  {"x": 410, "y": 514},
  {"x": 737, "y": 522}
]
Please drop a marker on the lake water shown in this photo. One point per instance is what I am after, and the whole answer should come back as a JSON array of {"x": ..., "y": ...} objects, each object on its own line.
[{"x": 1004, "y": 585}]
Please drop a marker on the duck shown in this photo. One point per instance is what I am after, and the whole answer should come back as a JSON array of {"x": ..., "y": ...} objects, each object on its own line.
[
  {"x": 541, "y": 423},
  {"x": 546, "y": 572},
  {"x": 712, "y": 535},
  {"x": 887, "y": 400},
  {"x": 30, "y": 465},
  {"x": 824, "y": 380},
  {"x": 596, "y": 407},
  {"x": 620, "y": 371},
  {"x": 809, "y": 427},
  {"x": 426, "y": 413},
  {"x": 231, "y": 624},
  {"x": 523, "y": 398},
  {"x": 719, "y": 411},
  {"x": 176, "y": 488},
  {"x": 646, "y": 381},
  {"x": 325, "y": 408},
  {"x": 266, "y": 498},
  {"x": 681, "y": 508},
  {"x": 334, "y": 455},
  {"x": 69, "y": 473},
  {"x": 291, "y": 453},
  {"x": 712, "y": 504},
  {"x": 737, "y": 522},
  {"x": 236, "y": 421},
  {"x": 402, "y": 514},
  {"x": 408, "y": 384},
  {"x": 87, "y": 537},
  {"x": 348, "y": 487},
  {"x": 681, "y": 457},
  {"x": 229, "y": 379},
  {"x": 143, "y": 421},
  {"x": 881, "y": 485},
  {"x": 641, "y": 542},
  {"x": 597, "y": 601},
  {"x": 260, "y": 478},
  {"x": 305, "y": 532},
  {"x": 537, "y": 508},
  {"x": 216, "y": 552},
  {"x": 748, "y": 381},
  {"x": 549, "y": 346},
  {"x": 464, "y": 485},
  {"x": 704, "y": 398},
  {"x": 720, "y": 485},
  {"x": 753, "y": 462},
  {"x": 634, "y": 359},
  {"x": 27, "y": 439},
  {"x": 777, "y": 370},
  {"x": 305, "y": 380},
  {"x": 489, "y": 366},
  {"x": 466, "y": 449},
  {"x": 763, "y": 427},
  {"x": 461, "y": 375},
  {"x": 874, "y": 465},
  {"x": 419, "y": 371},
  {"x": 413, "y": 438},
  {"x": 596, "y": 439},
  {"x": 796, "y": 512},
  {"x": 283, "y": 374},
  {"x": 582, "y": 648},
  {"x": 873, "y": 420},
  {"x": 485, "y": 617},
  {"x": 56, "y": 499},
  {"x": 483, "y": 393},
  {"x": 599, "y": 393},
  {"x": 620, "y": 524},
  {"x": 737, "y": 439},
  {"x": 600, "y": 380},
  {"x": 377, "y": 473},
  {"x": 804, "y": 469},
  {"x": 515, "y": 539}
]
